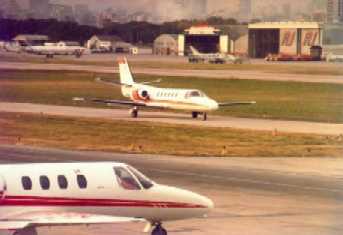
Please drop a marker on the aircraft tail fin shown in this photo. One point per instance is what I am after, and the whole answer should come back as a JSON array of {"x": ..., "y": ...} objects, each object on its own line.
[
  {"x": 125, "y": 72},
  {"x": 194, "y": 50}
]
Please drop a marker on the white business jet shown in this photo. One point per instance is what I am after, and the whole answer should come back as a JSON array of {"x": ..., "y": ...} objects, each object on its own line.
[
  {"x": 50, "y": 194},
  {"x": 144, "y": 95}
]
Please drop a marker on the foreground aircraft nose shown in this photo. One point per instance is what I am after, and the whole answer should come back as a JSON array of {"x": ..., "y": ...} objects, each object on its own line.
[{"x": 205, "y": 202}]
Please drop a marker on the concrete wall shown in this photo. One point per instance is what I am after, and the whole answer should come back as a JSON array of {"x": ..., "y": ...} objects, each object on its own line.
[
  {"x": 299, "y": 41},
  {"x": 224, "y": 44},
  {"x": 241, "y": 45},
  {"x": 181, "y": 45},
  {"x": 309, "y": 38},
  {"x": 288, "y": 41}
]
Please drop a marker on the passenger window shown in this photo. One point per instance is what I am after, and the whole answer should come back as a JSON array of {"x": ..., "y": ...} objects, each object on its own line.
[
  {"x": 125, "y": 179},
  {"x": 44, "y": 182},
  {"x": 62, "y": 182},
  {"x": 26, "y": 182},
  {"x": 82, "y": 181}
]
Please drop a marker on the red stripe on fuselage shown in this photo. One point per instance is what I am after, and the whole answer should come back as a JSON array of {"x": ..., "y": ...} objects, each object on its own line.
[{"x": 54, "y": 201}]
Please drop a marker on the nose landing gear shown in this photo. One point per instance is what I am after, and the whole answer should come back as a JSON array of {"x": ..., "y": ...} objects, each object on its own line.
[
  {"x": 159, "y": 230},
  {"x": 196, "y": 114}
]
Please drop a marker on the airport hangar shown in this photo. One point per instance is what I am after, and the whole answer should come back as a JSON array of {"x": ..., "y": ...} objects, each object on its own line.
[
  {"x": 255, "y": 40},
  {"x": 285, "y": 38},
  {"x": 205, "y": 38}
]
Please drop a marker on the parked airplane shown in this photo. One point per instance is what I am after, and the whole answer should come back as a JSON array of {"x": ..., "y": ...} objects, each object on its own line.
[
  {"x": 334, "y": 58},
  {"x": 144, "y": 95},
  {"x": 52, "y": 49},
  {"x": 51, "y": 194},
  {"x": 214, "y": 58}
]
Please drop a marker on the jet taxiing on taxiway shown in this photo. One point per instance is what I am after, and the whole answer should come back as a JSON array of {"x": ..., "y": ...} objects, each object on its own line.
[
  {"x": 144, "y": 95},
  {"x": 50, "y": 194}
]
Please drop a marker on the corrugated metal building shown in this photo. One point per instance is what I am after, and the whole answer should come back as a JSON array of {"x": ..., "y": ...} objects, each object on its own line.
[{"x": 166, "y": 44}]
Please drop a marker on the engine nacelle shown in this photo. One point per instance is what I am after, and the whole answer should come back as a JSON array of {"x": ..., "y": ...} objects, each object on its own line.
[{"x": 140, "y": 95}]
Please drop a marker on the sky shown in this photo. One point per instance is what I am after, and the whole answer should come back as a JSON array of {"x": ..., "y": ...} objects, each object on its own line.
[{"x": 171, "y": 10}]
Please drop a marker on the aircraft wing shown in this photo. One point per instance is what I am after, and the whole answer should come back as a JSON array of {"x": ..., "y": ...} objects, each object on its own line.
[
  {"x": 120, "y": 102},
  {"x": 236, "y": 103},
  {"x": 56, "y": 218}
]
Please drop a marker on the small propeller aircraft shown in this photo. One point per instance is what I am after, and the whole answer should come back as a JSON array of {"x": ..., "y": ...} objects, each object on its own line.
[
  {"x": 51, "y": 194},
  {"x": 145, "y": 95}
]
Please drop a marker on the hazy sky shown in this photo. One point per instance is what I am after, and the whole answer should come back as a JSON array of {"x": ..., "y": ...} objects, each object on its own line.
[{"x": 170, "y": 10}]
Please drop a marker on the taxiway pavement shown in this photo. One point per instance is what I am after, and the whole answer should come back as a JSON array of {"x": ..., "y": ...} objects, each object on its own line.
[{"x": 176, "y": 118}]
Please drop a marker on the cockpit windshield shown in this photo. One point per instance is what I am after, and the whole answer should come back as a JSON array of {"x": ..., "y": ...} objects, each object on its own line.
[
  {"x": 145, "y": 182},
  {"x": 194, "y": 93},
  {"x": 125, "y": 179}
]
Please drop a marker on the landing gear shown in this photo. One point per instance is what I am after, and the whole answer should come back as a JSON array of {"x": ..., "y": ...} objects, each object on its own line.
[
  {"x": 195, "y": 115},
  {"x": 134, "y": 112},
  {"x": 159, "y": 230}
]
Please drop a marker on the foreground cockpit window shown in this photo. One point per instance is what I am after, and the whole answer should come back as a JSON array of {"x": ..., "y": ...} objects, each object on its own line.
[
  {"x": 145, "y": 182},
  {"x": 125, "y": 179}
]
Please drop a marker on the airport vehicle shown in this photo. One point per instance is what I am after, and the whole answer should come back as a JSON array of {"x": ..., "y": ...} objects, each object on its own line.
[
  {"x": 334, "y": 58},
  {"x": 52, "y": 49},
  {"x": 51, "y": 194},
  {"x": 144, "y": 95},
  {"x": 213, "y": 58}
]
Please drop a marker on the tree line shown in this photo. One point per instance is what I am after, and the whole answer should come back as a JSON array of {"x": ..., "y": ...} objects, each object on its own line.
[{"x": 133, "y": 32}]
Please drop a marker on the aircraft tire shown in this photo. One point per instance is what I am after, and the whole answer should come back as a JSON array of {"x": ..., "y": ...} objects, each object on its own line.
[
  {"x": 204, "y": 117},
  {"x": 134, "y": 113},
  {"x": 195, "y": 115},
  {"x": 159, "y": 230}
]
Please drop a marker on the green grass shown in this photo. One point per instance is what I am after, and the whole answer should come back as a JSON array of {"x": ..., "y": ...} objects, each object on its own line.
[
  {"x": 275, "y": 100},
  {"x": 135, "y": 137}
]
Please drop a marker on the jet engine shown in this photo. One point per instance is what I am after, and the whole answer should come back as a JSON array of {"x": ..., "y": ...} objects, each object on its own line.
[{"x": 140, "y": 95}]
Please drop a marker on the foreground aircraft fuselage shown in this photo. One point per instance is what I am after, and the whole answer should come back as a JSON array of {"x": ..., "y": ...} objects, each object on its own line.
[{"x": 34, "y": 195}]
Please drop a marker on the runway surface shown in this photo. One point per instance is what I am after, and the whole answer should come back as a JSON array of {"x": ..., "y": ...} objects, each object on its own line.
[
  {"x": 175, "y": 118},
  {"x": 252, "y": 195},
  {"x": 223, "y": 74}
]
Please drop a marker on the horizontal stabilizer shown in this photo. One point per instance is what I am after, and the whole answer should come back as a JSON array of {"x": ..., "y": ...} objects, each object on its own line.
[
  {"x": 112, "y": 83},
  {"x": 236, "y": 103}
]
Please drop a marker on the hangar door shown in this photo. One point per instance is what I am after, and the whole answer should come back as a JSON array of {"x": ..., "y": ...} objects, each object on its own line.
[
  {"x": 263, "y": 42},
  {"x": 203, "y": 43}
]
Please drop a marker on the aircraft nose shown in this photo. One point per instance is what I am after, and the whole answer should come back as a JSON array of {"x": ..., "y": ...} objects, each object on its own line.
[
  {"x": 213, "y": 105},
  {"x": 205, "y": 202}
]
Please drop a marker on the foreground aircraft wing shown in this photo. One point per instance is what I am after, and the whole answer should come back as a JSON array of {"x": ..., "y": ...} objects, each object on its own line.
[
  {"x": 236, "y": 103},
  {"x": 120, "y": 102},
  {"x": 54, "y": 219}
]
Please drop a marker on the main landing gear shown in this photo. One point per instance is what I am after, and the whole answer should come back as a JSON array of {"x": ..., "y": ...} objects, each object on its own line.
[
  {"x": 159, "y": 230},
  {"x": 134, "y": 112},
  {"x": 196, "y": 114}
]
